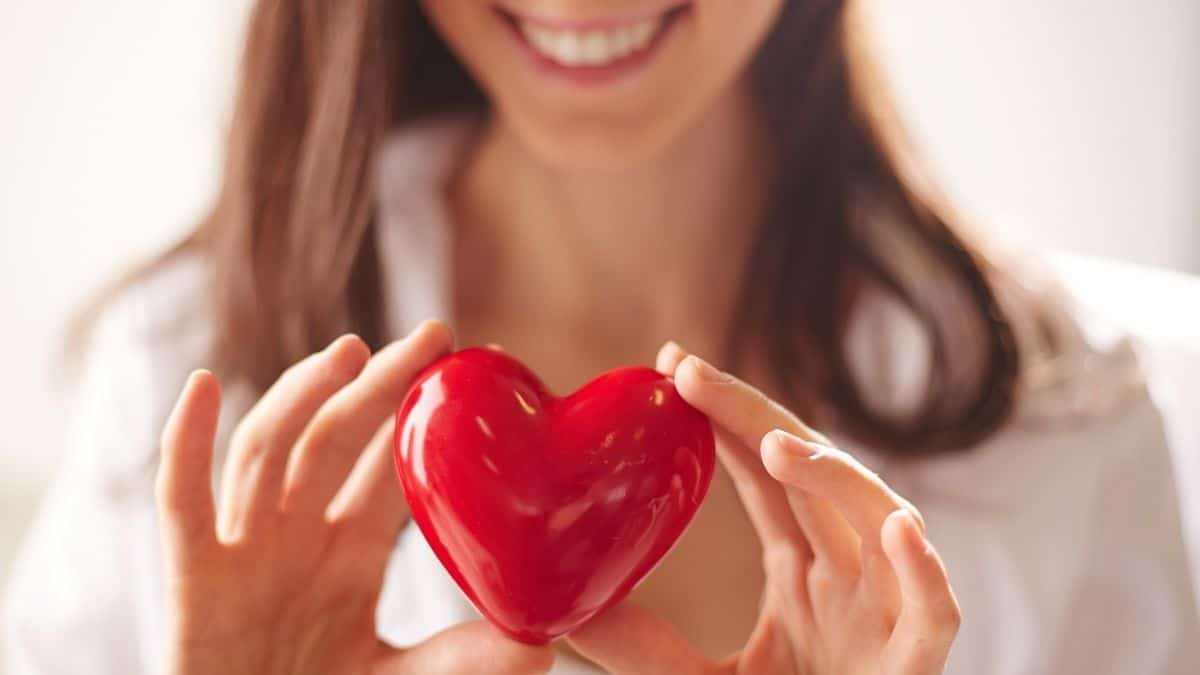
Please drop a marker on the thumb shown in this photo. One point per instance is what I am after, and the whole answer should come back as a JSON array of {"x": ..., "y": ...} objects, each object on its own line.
[
  {"x": 467, "y": 649},
  {"x": 629, "y": 640}
]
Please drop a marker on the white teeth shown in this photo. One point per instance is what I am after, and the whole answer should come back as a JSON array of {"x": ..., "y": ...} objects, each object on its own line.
[
  {"x": 593, "y": 48},
  {"x": 539, "y": 37},
  {"x": 642, "y": 32},
  {"x": 622, "y": 40},
  {"x": 569, "y": 48}
]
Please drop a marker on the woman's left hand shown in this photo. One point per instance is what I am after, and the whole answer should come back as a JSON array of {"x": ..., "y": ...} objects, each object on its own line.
[{"x": 852, "y": 584}]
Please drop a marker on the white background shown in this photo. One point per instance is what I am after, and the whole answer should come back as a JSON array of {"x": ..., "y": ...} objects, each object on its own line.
[{"x": 1068, "y": 123}]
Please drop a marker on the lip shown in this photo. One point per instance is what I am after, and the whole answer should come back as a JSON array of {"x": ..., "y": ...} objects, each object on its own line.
[{"x": 594, "y": 75}]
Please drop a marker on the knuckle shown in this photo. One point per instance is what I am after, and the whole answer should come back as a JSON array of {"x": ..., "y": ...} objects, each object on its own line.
[
  {"x": 823, "y": 577},
  {"x": 785, "y": 561},
  {"x": 178, "y": 509},
  {"x": 945, "y": 618},
  {"x": 335, "y": 414},
  {"x": 953, "y": 617},
  {"x": 770, "y": 415},
  {"x": 845, "y": 464},
  {"x": 246, "y": 444}
]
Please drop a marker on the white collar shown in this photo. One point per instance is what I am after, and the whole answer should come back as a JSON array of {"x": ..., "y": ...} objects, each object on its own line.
[{"x": 413, "y": 235}]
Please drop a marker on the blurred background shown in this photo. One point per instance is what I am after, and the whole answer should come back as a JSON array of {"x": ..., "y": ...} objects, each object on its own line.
[{"x": 1071, "y": 125}]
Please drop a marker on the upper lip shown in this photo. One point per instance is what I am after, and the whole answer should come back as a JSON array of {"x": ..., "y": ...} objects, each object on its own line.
[{"x": 591, "y": 23}]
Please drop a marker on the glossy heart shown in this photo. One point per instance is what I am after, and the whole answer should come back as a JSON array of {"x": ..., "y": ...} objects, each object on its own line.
[{"x": 547, "y": 510}]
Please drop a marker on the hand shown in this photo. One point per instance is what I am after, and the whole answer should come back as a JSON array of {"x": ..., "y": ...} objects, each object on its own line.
[
  {"x": 852, "y": 584},
  {"x": 285, "y": 576}
]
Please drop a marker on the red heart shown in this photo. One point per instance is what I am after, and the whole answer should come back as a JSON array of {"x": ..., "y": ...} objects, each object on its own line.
[{"x": 547, "y": 510}]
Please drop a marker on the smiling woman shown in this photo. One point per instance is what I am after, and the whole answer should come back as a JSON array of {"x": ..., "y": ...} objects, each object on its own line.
[
  {"x": 581, "y": 182},
  {"x": 774, "y": 109}
]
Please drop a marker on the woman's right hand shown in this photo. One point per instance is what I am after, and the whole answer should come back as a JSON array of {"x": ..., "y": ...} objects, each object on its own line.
[{"x": 284, "y": 573}]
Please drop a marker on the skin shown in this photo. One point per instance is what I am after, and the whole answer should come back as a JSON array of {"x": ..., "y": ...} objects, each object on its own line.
[{"x": 614, "y": 219}]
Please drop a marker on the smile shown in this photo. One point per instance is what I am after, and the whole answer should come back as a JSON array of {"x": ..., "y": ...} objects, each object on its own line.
[{"x": 593, "y": 45}]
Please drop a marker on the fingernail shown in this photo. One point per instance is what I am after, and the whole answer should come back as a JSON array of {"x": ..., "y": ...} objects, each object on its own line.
[
  {"x": 338, "y": 341},
  {"x": 706, "y": 372},
  {"x": 428, "y": 325},
  {"x": 912, "y": 531},
  {"x": 917, "y": 522},
  {"x": 196, "y": 376},
  {"x": 797, "y": 446}
]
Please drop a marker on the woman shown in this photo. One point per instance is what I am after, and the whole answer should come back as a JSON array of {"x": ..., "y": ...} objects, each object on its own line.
[{"x": 581, "y": 182}]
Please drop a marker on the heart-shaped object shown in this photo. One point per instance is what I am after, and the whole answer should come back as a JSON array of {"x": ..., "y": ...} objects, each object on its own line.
[{"x": 547, "y": 510}]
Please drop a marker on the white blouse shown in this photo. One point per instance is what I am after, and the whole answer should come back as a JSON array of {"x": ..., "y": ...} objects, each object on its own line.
[{"x": 1061, "y": 532}]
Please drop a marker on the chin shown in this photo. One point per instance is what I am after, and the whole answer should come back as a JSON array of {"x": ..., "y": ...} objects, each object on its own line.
[{"x": 596, "y": 145}]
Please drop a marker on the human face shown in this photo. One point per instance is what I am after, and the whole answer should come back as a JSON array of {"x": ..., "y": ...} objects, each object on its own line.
[{"x": 603, "y": 83}]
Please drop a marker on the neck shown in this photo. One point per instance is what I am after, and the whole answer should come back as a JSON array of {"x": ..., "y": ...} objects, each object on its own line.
[{"x": 658, "y": 247}]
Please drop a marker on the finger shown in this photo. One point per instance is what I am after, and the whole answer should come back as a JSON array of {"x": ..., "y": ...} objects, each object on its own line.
[
  {"x": 833, "y": 540},
  {"x": 849, "y": 504},
  {"x": 467, "y": 649},
  {"x": 760, "y": 494},
  {"x": 183, "y": 487},
  {"x": 371, "y": 498},
  {"x": 731, "y": 403},
  {"x": 930, "y": 616},
  {"x": 262, "y": 443},
  {"x": 340, "y": 431},
  {"x": 827, "y": 472},
  {"x": 786, "y": 551},
  {"x": 669, "y": 356},
  {"x": 629, "y": 640}
]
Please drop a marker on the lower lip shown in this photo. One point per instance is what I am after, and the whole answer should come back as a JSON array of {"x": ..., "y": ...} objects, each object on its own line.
[{"x": 597, "y": 75}]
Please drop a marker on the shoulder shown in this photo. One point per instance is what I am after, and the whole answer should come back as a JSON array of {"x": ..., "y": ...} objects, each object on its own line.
[
  {"x": 1079, "y": 365},
  {"x": 1084, "y": 392},
  {"x": 93, "y": 540},
  {"x": 162, "y": 319},
  {"x": 1083, "y": 405},
  {"x": 141, "y": 345}
]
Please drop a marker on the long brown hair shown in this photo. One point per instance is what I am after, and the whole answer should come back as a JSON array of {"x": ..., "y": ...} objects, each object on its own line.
[{"x": 322, "y": 82}]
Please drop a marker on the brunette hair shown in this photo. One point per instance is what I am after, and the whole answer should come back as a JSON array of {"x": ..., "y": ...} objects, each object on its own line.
[{"x": 323, "y": 82}]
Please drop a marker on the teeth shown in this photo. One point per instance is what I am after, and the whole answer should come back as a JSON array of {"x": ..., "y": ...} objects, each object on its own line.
[
  {"x": 569, "y": 48},
  {"x": 642, "y": 32},
  {"x": 622, "y": 41},
  {"x": 595, "y": 48},
  {"x": 592, "y": 48}
]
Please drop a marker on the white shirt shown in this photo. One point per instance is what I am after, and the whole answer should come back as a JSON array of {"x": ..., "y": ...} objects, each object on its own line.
[{"x": 1061, "y": 532}]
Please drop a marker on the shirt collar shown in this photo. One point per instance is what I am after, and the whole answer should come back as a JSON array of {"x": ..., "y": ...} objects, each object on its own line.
[{"x": 413, "y": 232}]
